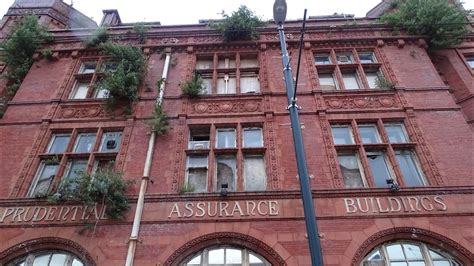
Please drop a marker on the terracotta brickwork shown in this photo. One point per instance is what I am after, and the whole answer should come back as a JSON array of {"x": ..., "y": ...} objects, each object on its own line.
[{"x": 433, "y": 109}]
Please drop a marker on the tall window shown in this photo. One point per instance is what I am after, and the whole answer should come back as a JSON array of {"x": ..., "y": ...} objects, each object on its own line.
[
  {"x": 347, "y": 69},
  {"x": 376, "y": 154},
  {"x": 214, "y": 167},
  {"x": 226, "y": 255},
  {"x": 68, "y": 154},
  {"x": 229, "y": 73},
  {"x": 87, "y": 80},
  {"x": 47, "y": 258},
  {"x": 408, "y": 253}
]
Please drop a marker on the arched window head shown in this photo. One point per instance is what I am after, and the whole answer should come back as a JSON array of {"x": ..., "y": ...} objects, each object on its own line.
[
  {"x": 47, "y": 258},
  {"x": 407, "y": 253},
  {"x": 225, "y": 256}
]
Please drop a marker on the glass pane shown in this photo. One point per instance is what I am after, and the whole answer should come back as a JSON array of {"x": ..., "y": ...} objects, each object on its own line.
[
  {"x": 216, "y": 256},
  {"x": 226, "y": 84},
  {"x": 254, "y": 259},
  {"x": 410, "y": 171},
  {"x": 103, "y": 165},
  {"x": 253, "y": 137},
  {"x": 327, "y": 82},
  {"x": 42, "y": 260},
  {"x": 398, "y": 264},
  {"x": 197, "y": 179},
  {"x": 249, "y": 84},
  {"x": 254, "y": 173},
  {"x": 344, "y": 58},
  {"x": 375, "y": 256},
  {"x": 88, "y": 67},
  {"x": 372, "y": 79},
  {"x": 195, "y": 261},
  {"x": 76, "y": 262},
  {"x": 369, "y": 134},
  {"x": 412, "y": 252},
  {"x": 248, "y": 62},
  {"x": 110, "y": 142},
  {"x": 226, "y": 63},
  {"x": 350, "y": 81},
  {"x": 367, "y": 57},
  {"x": 225, "y": 172},
  {"x": 379, "y": 168},
  {"x": 80, "y": 90},
  {"x": 58, "y": 260},
  {"x": 101, "y": 93},
  {"x": 395, "y": 133},
  {"x": 85, "y": 142},
  {"x": 76, "y": 167},
  {"x": 441, "y": 263},
  {"x": 45, "y": 178},
  {"x": 207, "y": 85},
  {"x": 58, "y": 143},
  {"x": 417, "y": 263},
  {"x": 435, "y": 255},
  {"x": 350, "y": 170},
  {"x": 204, "y": 63},
  {"x": 323, "y": 59},
  {"x": 342, "y": 135},
  {"x": 395, "y": 252},
  {"x": 225, "y": 138},
  {"x": 470, "y": 61},
  {"x": 233, "y": 256},
  {"x": 197, "y": 161}
]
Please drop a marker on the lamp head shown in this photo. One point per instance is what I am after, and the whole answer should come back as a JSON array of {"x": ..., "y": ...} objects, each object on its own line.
[{"x": 279, "y": 11}]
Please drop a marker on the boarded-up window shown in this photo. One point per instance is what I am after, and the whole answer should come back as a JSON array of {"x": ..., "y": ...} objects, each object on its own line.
[
  {"x": 226, "y": 172},
  {"x": 197, "y": 173},
  {"x": 254, "y": 173}
]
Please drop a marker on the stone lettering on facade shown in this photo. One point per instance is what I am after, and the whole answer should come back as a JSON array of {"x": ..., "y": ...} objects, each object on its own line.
[
  {"x": 223, "y": 209},
  {"x": 372, "y": 205}
]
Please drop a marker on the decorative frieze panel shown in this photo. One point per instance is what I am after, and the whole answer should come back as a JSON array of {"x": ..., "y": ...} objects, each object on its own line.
[
  {"x": 81, "y": 111},
  {"x": 243, "y": 106},
  {"x": 362, "y": 102}
]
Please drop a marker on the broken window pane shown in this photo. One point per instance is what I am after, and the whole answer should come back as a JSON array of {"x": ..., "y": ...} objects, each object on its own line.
[
  {"x": 197, "y": 173},
  {"x": 350, "y": 169},
  {"x": 225, "y": 172},
  {"x": 254, "y": 173}
]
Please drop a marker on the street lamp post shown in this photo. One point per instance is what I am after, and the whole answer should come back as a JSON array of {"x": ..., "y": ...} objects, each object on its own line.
[{"x": 279, "y": 15}]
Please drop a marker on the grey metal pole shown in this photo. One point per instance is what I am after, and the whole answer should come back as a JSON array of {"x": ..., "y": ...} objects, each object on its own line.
[{"x": 309, "y": 214}]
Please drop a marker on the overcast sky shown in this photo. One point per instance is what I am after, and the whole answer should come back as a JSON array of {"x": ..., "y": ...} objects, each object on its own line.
[{"x": 174, "y": 12}]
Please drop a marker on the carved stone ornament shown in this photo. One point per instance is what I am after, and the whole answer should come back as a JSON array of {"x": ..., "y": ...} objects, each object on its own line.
[
  {"x": 46, "y": 243},
  {"x": 226, "y": 107},
  {"x": 85, "y": 111},
  {"x": 223, "y": 238},
  {"x": 416, "y": 234},
  {"x": 366, "y": 102}
]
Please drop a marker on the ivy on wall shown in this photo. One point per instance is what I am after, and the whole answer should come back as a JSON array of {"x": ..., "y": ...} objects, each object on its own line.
[{"x": 241, "y": 25}]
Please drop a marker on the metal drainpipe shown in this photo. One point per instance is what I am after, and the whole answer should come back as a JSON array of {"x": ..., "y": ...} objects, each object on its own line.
[{"x": 132, "y": 244}]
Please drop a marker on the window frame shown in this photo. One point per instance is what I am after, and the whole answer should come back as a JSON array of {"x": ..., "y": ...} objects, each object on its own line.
[
  {"x": 234, "y": 69},
  {"x": 90, "y": 77}
]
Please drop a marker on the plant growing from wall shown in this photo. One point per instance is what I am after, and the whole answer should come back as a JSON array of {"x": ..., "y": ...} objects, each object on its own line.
[
  {"x": 187, "y": 188},
  {"x": 47, "y": 54},
  {"x": 159, "y": 121},
  {"x": 122, "y": 81},
  {"x": 383, "y": 83},
  {"x": 140, "y": 29},
  {"x": 193, "y": 87},
  {"x": 442, "y": 22},
  {"x": 18, "y": 50},
  {"x": 106, "y": 187},
  {"x": 241, "y": 25},
  {"x": 98, "y": 37}
]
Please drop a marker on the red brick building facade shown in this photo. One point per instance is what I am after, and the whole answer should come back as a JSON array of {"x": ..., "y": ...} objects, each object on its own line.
[{"x": 416, "y": 134}]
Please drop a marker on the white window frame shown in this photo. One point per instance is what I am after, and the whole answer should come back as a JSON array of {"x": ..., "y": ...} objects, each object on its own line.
[
  {"x": 351, "y": 133},
  {"x": 404, "y": 131},
  {"x": 328, "y": 87},
  {"x": 186, "y": 180},
  {"x": 377, "y": 133},
  {"x": 320, "y": 55},
  {"x": 372, "y": 55},
  {"x": 78, "y": 138},
  {"x": 356, "y": 78},
  {"x": 388, "y": 165},
  {"x": 417, "y": 164},
  {"x": 31, "y": 191},
  {"x": 348, "y": 55},
  {"x": 216, "y": 161},
  {"x": 103, "y": 143},
  {"x": 359, "y": 164},
  {"x": 84, "y": 70},
  {"x": 264, "y": 171},
  {"x": 204, "y": 254},
  {"x": 244, "y": 144},
  {"x": 76, "y": 87}
]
